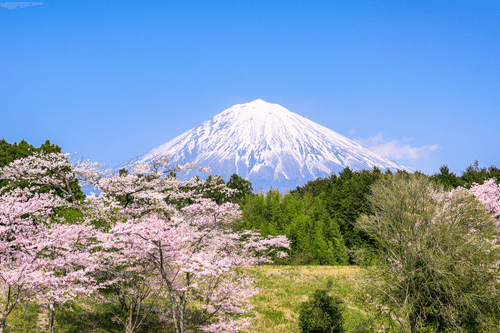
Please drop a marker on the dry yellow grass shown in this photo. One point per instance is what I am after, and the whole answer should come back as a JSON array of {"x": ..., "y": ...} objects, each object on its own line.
[{"x": 285, "y": 287}]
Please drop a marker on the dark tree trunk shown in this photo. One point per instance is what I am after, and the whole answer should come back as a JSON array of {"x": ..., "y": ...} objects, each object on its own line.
[
  {"x": 413, "y": 324},
  {"x": 2, "y": 324}
]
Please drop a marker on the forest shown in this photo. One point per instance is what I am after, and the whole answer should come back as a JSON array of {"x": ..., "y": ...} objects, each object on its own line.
[{"x": 152, "y": 252}]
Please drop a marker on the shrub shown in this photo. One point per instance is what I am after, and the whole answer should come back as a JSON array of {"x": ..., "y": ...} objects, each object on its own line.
[
  {"x": 438, "y": 259},
  {"x": 321, "y": 314}
]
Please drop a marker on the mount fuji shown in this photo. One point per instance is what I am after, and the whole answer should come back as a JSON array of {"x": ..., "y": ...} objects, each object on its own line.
[{"x": 268, "y": 145}]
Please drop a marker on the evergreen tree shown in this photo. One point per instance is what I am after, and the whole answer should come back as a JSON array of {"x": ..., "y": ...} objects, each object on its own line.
[
  {"x": 243, "y": 186},
  {"x": 474, "y": 174},
  {"x": 315, "y": 237},
  {"x": 213, "y": 191},
  {"x": 313, "y": 187},
  {"x": 447, "y": 178},
  {"x": 346, "y": 200},
  {"x": 10, "y": 152}
]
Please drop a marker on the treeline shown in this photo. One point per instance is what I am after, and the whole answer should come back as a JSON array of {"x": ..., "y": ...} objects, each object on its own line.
[
  {"x": 472, "y": 174},
  {"x": 315, "y": 236},
  {"x": 320, "y": 217},
  {"x": 14, "y": 151}
]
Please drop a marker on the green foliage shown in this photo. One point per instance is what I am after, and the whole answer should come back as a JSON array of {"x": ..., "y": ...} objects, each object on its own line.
[
  {"x": 213, "y": 192},
  {"x": 243, "y": 186},
  {"x": 211, "y": 189},
  {"x": 322, "y": 314},
  {"x": 472, "y": 174},
  {"x": 447, "y": 178},
  {"x": 315, "y": 237},
  {"x": 438, "y": 259},
  {"x": 319, "y": 217},
  {"x": 345, "y": 199},
  {"x": 313, "y": 187},
  {"x": 88, "y": 316},
  {"x": 10, "y": 152}
]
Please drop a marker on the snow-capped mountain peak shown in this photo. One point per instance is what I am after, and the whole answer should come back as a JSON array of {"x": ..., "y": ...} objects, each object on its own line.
[{"x": 269, "y": 145}]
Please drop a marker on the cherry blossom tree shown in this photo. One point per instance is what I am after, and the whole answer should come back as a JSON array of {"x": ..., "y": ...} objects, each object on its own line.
[
  {"x": 69, "y": 262},
  {"x": 145, "y": 188},
  {"x": 142, "y": 190},
  {"x": 54, "y": 173},
  {"x": 42, "y": 172},
  {"x": 39, "y": 260},
  {"x": 488, "y": 195},
  {"x": 129, "y": 286},
  {"x": 199, "y": 260},
  {"x": 160, "y": 241}
]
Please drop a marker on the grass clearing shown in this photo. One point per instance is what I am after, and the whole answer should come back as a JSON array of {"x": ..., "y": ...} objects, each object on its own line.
[{"x": 284, "y": 288}]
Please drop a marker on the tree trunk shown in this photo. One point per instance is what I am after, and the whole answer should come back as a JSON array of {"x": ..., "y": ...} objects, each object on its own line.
[
  {"x": 2, "y": 323},
  {"x": 51, "y": 317},
  {"x": 413, "y": 324},
  {"x": 43, "y": 316},
  {"x": 129, "y": 327}
]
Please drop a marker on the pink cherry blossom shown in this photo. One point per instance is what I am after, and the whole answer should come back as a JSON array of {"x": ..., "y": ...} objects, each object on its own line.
[
  {"x": 199, "y": 260},
  {"x": 166, "y": 246},
  {"x": 38, "y": 259},
  {"x": 488, "y": 195}
]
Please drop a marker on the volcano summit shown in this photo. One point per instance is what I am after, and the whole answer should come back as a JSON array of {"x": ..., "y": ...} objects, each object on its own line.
[{"x": 268, "y": 145}]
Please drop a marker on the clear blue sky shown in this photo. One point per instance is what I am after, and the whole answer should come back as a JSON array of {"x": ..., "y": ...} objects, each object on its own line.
[{"x": 420, "y": 80}]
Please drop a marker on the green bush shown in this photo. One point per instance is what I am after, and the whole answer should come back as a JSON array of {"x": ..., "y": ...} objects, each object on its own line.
[
  {"x": 321, "y": 314},
  {"x": 437, "y": 267}
]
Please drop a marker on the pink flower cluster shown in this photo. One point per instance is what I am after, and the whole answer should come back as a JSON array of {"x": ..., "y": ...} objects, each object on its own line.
[
  {"x": 185, "y": 261},
  {"x": 39, "y": 259},
  {"x": 488, "y": 195}
]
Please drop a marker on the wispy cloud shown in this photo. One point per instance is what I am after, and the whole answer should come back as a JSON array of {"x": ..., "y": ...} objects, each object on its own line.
[
  {"x": 394, "y": 149},
  {"x": 14, "y": 5}
]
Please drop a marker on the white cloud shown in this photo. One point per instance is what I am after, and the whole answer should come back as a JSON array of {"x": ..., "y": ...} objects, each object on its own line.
[
  {"x": 351, "y": 131},
  {"x": 14, "y": 5},
  {"x": 395, "y": 149}
]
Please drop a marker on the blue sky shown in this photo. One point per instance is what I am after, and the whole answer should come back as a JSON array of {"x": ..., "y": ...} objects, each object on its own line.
[{"x": 419, "y": 81}]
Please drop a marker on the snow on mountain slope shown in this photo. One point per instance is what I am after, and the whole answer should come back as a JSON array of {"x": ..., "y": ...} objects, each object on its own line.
[{"x": 268, "y": 145}]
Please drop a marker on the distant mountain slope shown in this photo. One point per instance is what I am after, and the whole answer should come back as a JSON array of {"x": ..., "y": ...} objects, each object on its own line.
[{"x": 268, "y": 145}]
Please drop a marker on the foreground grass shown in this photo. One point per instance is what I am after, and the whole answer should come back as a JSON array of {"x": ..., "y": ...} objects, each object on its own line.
[{"x": 284, "y": 288}]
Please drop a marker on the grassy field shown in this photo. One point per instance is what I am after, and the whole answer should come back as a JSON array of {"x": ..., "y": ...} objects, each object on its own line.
[
  {"x": 277, "y": 306},
  {"x": 285, "y": 287}
]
